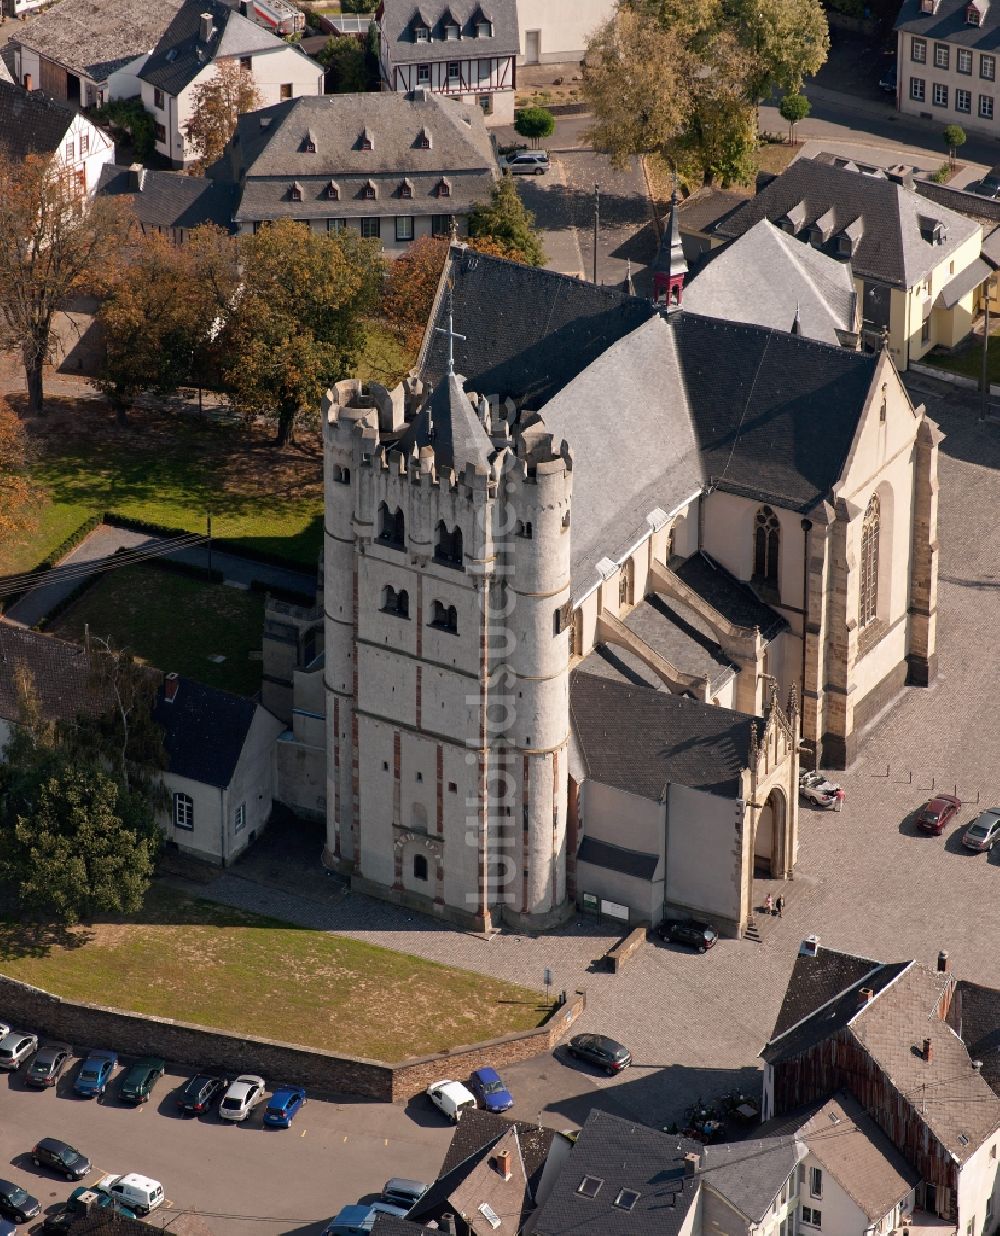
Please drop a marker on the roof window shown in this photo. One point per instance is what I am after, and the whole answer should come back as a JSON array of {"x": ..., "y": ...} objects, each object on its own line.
[
  {"x": 365, "y": 140},
  {"x": 928, "y": 6},
  {"x": 444, "y": 187},
  {"x": 974, "y": 14},
  {"x": 369, "y": 191},
  {"x": 626, "y": 1199},
  {"x": 822, "y": 229},
  {"x": 309, "y": 142},
  {"x": 424, "y": 140},
  {"x": 333, "y": 191},
  {"x": 490, "y": 1215},
  {"x": 406, "y": 187},
  {"x": 295, "y": 192},
  {"x": 590, "y": 1186}
]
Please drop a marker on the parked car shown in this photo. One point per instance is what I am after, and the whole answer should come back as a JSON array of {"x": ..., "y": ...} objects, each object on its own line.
[
  {"x": 492, "y": 1094},
  {"x": 887, "y": 82},
  {"x": 48, "y": 1064},
  {"x": 87, "y": 1196},
  {"x": 95, "y": 1073},
  {"x": 815, "y": 789},
  {"x": 139, "y": 1193},
  {"x": 8, "y": 1229},
  {"x": 283, "y": 1106},
  {"x": 692, "y": 931},
  {"x": 15, "y": 1048},
  {"x": 989, "y": 186},
  {"x": 61, "y": 1157},
  {"x": 451, "y": 1097},
  {"x": 137, "y": 1082},
  {"x": 598, "y": 1049},
  {"x": 937, "y": 814},
  {"x": 242, "y": 1097},
  {"x": 984, "y": 831},
  {"x": 402, "y": 1192},
  {"x": 526, "y": 163},
  {"x": 359, "y": 1219},
  {"x": 199, "y": 1093},
  {"x": 16, "y": 1203}
]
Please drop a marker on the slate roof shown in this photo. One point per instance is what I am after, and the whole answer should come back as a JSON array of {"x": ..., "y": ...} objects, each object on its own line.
[
  {"x": 485, "y": 1195},
  {"x": 975, "y": 1015},
  {"x": 815, "y": 981},
  {"x": 640, "y": 740},
  {"x": 449, "y": 421},
  {"x": 620, "y": 665},
  {"x": 683, "y": 638},
  {"x": 171, "y": 199},
  {"x": 769, "y": 278},
  {"x": 31, "y": 123},
  {"x": 750, "y": 1174},
  {"x": 268, "y": 154},
  {"x": 94, "y": 38},
  {"x": 621, "y": 1155},
  {"x": 180, "y": 54},
  {"x": 894, "y": 246},
  {"x": 948, "y": 24},
  {"x": 616, "y": 858},
  {"x": 60, "y": 672},
  {"x": 397, "y": 18},
  {"x": 729, "y": 596},
  {"x": 5, "y": 73},
  {"x": 706, "y": 207},
  {"x": 204, "y": 731},
  {"x": 858, "y": 1155}
]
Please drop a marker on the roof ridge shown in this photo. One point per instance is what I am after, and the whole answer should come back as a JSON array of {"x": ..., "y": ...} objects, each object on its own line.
[
  {"x": 882, "y": 990},
  {"x": 876, "y": 966},
  {"x": 798, "y": 260}
]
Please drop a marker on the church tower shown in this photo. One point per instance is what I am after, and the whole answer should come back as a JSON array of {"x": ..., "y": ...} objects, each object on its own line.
[
  {"x": 446, "y": 579},
  {"x": 669, "y": 267}
]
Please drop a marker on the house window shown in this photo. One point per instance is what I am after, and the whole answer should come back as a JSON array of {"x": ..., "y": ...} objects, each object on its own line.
[
  {"x": 240, "y": 818},
  {"x": 391, "y": 526},
  {"x": 986, "y": 106},
  {"x": 333, "y": 191},
  {"x": 918, "y": 89},
  {"x": 394, "y": 602},
  {"x": 940, "y": 95},
  {"x": 441, "y": 225},
  {"x": 815, "y": 1182},
  {"x": 444, "y": 188},
  {"x": 421, "y": 34},
  {"x": 406, "y": 189},
  {"x": 925, "y": 331},
  {"x": 295, "y": 192},
  {"x": 766, "y": 545},
  {"x": 369, "y": 193},
  {"x": 371, "y": 229},
  {"x": 184, "y": 811},
  {"x": 84, "y": 145},
  {"x": 451, "y": 31},
  {"x": 484, "y": 29},
  {"x": 286, "y": 90},
  {"x": 158, "y": 99},
  {"x": 485, "y": 102},
  {"x": 812, "y": 1216},
  {"x": 70, "y": 150},
  {"x": 942, "y": 55},
  {"x": 160, "y": 133},
  {"x": 423, "y": 74},
  {"x": 988, "y": 68},
  {"x": 423, "y": 140},
  {"x": 453, "y": 71},
  {"x": 365, "y": 141},
  {"x": 445, "y": 617},
  {"x": 963, "y": 61},
  {"x": 973, "y": 16},
  {"x": 246, "y": 64},
  {"x": 420, "y": 867},
  {"x": 963, "y": 100},
  {"x": 918, "y": 51},
  {"x": 868, "y": 606},
  {"x": 404, "y": 228},
  {"x": 336, "y": 225},
  {"x": 448, "y": 545}
]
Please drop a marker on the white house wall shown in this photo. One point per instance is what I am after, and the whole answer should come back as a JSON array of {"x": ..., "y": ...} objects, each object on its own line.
[
  {"x": 840, "y": 1213},
  {"x": 977, "y": 1182},
  {"x": 205, "y": 838},
  {"x": 252, "y": 783},
  {"x": 619, "y": 818},
  {"x": 564, "y": 27},
  {"x": 101, "y": 150}
]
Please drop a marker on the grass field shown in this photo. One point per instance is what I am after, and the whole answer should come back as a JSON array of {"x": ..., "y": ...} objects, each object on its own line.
[
  {"x": 969, "y": 362},
  {"x": 199, "y": 962},
  {"x": 174, "y": 623}
]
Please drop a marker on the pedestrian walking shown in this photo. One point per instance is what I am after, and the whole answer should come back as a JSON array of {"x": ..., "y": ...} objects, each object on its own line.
[
  {"x": 779, "y": 905},
  {"x": 769, "y": 904},
  {"x": 838, "y": 796}
]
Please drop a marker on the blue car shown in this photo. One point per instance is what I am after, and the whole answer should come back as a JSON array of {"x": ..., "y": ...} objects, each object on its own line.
[
  {"x": 95, "y": 1073},
  {"x": 359, "y": 1219},
  {"x": 283, "y": 1106},
  {"x": 492, "y": 1094}
]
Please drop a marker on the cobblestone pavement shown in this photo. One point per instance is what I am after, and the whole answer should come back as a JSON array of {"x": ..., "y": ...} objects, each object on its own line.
[{"x": 866, "y": 882}]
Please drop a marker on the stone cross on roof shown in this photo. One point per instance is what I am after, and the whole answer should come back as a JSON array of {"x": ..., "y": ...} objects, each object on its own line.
[{"x": 450, "y": 334}]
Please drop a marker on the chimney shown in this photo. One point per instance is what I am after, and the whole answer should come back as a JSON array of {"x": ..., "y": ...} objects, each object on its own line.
[
  {"x": 691, "y": 1163},
  {"x": 943, "y": 962},
  {"x": 205, "y": 32},
  {"x": 502, "y": 1163},
  {"x": 809, "y": 947},
  {"x": 136, "y": 177},
  {"x": 928, "y": 1051},
  {"x": 977, "y": 1065},
  {"x": 170, "y": 685},
  {"x": 865, "y": 995}
]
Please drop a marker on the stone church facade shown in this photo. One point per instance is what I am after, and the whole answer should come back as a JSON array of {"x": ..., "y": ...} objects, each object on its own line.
[{"x": 618, "y": 506}]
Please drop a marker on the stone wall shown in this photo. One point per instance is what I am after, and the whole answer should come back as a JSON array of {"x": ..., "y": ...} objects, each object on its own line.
[{"x": 195, "y": 1047}]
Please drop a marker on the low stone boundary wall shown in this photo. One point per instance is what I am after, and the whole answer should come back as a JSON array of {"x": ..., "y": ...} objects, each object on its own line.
[
  {"x": 623, "y": 950},
  {"x": 197, "y": 1047}
]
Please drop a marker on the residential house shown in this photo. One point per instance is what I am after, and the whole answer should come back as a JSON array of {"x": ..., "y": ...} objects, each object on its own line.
[
  {"x": 466, "y": 49},
  {"x": 87, "y": 52},
  {"x": 392, "y": 167},
  {"x": 35, "y": 126},
  {"x": 698, "y": 215},
  {"x": 643, "y": 437},
  {"x": 220, "y": 768},
  {"x": 916, "y": 264},
  {"x": 18, "y": 8},
  {"x": 201, "y": 36},
  {"x": 558, "y": 30},
  {"x": 906, "y": 1041},
  {"x": 769, "y": 278},
  {"x": 947, "y": 63},
  {"x": 170, "y": 202}
]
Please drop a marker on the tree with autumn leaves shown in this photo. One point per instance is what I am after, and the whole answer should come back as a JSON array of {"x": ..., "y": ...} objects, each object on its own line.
[
  {"x": 17, "y": 494},
  {"x": 217, "y": 104}
]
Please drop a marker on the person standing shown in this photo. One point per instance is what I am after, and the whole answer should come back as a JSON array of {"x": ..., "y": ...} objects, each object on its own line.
[
  {"x": 769, "y": 904},
  {"x": 779, "y": 905},
  {"x": 839, "y": 797}
]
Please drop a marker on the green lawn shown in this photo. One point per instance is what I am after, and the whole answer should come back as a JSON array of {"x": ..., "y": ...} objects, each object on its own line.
[
  {"x": 969, "y": 362},
  {"x": 175, "y": 623},
  {"x": 202, "y": 963}
]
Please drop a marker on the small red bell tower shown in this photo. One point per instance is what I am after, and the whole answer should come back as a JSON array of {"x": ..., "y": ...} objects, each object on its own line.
[{"x": 670, "y": 268}]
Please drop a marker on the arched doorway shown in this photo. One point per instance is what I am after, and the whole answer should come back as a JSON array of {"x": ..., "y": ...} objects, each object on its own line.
[{"x": 768, "y": 838}]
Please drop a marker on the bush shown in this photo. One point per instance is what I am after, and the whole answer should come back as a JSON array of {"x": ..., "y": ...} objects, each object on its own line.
[
  {"x": 131, "y": 117},
  {"x": 942, "y": 174}
]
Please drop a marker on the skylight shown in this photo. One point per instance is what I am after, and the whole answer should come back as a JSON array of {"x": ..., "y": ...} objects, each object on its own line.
[
  {"x": 590, "y": 1186},
  {"x": 626, "y": 1199},
  {"x": 490, "y": 1215}
]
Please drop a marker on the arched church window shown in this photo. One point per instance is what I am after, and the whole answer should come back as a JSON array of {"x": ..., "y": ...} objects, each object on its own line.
[
  {"x": 766, "y": 545},
  {"x": 448, "y": 545},
  {"x": 391, "y": 526},
  {"x": 420, "y": 866},
  {"x": 868, "y": 598}
]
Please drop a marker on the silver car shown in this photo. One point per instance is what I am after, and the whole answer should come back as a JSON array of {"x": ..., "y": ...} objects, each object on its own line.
[
  {"x": 984, "y": 831},
  {"x": 15, "y": 1048},
  {"x": 527, "y": 163}
]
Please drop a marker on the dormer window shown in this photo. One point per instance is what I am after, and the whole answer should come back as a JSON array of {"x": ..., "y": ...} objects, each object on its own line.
[
  {"x": 973, "y": 16},
  {"x": 928, "y": 6},
  {"x": 309, "y": 143},
  {"x": 451, "y": 30},
  {"x": 423, "y": 140},
  {"x": 444, "y": 188},
  {"x": 406, "y": 188},
  {"x": 369, "y": 192},
  {"x": 333, "y": 191},
  {"x": 484, "y": 29},
  {"x": 421, "y": 34},
  {"x": 365, "y": 140},
  {"x": 295, "y": 192}
]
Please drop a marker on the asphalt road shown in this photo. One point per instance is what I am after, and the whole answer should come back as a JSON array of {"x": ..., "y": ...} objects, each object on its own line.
[{"x": 241, "y": 1178}]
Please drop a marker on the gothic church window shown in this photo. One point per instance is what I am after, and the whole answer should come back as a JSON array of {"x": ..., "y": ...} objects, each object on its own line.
[
  {"x": 394, "y": 602},
  {"x": 766, "y": 545},
  {"x": 868, "y": 601},
  {"x": 445, "y": 617},
  {"x": 448, "y": 545},
  {"x": 391, "y": 526}
]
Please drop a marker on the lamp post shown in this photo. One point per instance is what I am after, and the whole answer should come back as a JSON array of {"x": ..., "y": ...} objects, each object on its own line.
[{"x": 597, "y": 222}]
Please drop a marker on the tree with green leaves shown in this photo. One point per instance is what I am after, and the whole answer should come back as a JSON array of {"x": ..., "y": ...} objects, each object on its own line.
[
  {"x": 793, "y": 108},
  {"x": 297, "y": 323},
  {"x": 506, "y": 226},
  {"x": 534, "y": 123},
  {"x": 345, "y": 60},
  {"x": 954, "y": 136}
]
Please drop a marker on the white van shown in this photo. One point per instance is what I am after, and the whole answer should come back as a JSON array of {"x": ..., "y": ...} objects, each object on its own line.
[
  {"x": 137, "y": 1192},
  {"x": 451, "y": 1097}
]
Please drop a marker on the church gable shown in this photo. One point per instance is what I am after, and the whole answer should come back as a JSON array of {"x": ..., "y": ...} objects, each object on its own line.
[{"x": 887, "y": 425}]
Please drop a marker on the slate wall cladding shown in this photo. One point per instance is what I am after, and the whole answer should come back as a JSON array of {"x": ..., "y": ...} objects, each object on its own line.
[{"x": 194, "y": 1047}]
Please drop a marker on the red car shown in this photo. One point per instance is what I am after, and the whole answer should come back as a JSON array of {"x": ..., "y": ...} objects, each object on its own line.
[{"x": 936, "y": 815}]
